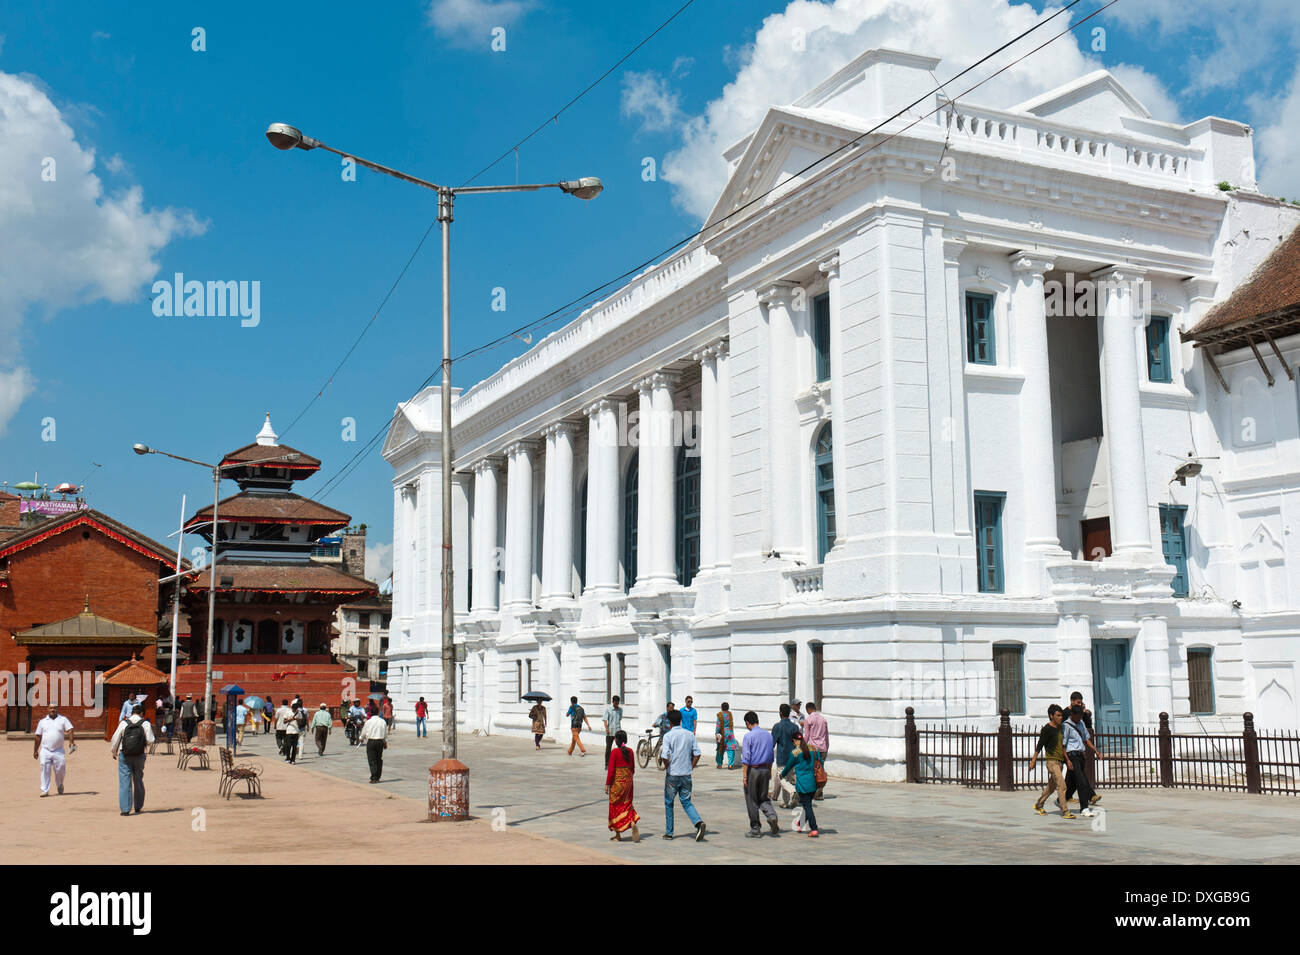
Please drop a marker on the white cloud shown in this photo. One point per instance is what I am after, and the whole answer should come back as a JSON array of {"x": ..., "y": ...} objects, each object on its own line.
[
  {"x": 65, "y": 242},
  {"x": 648, "y": 98},
  {"x": 796, "y": 49},
  {"x": 379, "y": 561},
  {"x": 469, "y": 23}
]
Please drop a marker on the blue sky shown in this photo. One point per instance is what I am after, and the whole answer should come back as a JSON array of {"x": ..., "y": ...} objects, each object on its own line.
[{"x": 182, "y": 180}]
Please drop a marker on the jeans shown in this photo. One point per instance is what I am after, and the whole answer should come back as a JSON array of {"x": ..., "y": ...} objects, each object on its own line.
[
  {"x": 291, "y": 747},
  {"x": 420, "y": 727},
  {"x": 1077, "y": 780},
  {"x": 130, "y": 776},
  {"x": 806, "y": 801},
  {"x": 678, "y": 787},
  {"x": 375, "y": 756},
  {"x": 757, "y": 796}
]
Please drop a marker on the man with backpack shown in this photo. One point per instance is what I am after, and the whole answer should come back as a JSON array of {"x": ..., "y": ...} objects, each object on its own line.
[{"x": 129, "y": 744}]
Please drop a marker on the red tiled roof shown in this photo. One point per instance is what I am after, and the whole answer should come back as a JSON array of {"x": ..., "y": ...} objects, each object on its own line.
[
  {"x": 253, "y": 507},
  {"x": 132, "y": 673},
  {"x": 1269, "y": 297},
  {"x": 286, "y": 578},
  {"x": 253, "y": 453},
  {"x": 100, "y": 522},
  {"x": 84, "y": 628}
]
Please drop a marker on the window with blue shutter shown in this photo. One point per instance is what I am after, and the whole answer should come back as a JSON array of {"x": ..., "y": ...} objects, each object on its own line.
[
  {"x": 629, "y": 525},
  {"x": 688, "y": 516},
  {"x": 582, "y": 537},
  {"x": 988, "y": 540},
  {"x": 1158, "y": 366},
  {"x": 824, "y": 478},
  {"x": 1173, "y": 543},
  {"x": 821, "y": 335},
  {"x": 979, "y": 329}
]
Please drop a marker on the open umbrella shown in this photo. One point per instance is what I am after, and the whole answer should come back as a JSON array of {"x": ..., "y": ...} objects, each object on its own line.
[
  {"x": 375, "y": 696},
  {"x": 254, "y": 702},
  {"x": 536, "y": 696}
]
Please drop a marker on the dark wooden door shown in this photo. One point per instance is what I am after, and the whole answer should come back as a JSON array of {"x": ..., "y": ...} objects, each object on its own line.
[{"x": 1096, "y": 538}]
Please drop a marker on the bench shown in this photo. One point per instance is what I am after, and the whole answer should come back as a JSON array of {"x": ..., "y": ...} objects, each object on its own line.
[
  {"x": 163, "y": 739},
  {"x": 232, "y": 773},
  {"x": 189, "y": 751}
]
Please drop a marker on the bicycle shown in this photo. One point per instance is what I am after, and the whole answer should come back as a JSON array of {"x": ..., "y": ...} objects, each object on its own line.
[{"x": 648, "y": 748}]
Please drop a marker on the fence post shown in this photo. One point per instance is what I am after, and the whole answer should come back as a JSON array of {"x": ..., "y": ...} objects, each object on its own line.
[
  {"x": 1250, "y": 744},
  {"x": 1166, "y": 753},
  {"x": 912, "y": 747},
  {"x": 1006, "y": 777}
]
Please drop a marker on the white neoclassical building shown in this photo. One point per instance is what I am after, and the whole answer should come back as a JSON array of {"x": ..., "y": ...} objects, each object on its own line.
[{"x": 915, "y": 425}]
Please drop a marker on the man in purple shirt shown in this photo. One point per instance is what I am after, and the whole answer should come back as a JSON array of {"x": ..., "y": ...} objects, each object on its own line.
[{"x": 756, "y": 775}]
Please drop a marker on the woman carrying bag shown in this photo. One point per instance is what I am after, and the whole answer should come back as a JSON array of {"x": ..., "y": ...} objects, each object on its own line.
[{"x": 806, "y": 764}]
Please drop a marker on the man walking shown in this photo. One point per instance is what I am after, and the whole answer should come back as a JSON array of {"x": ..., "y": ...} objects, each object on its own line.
[
  {"x": 282, "y": 717},
  {"x": 796, "y": 714},
  {"x": 241, "y": 717},
  {"x": 679, "y": 755},
  {"x": 320, "y": 727},
  {"x": 756, "y": 756},
  {"x": 817, "y": 733},
  {"x": 613, "y": 723},
  {"x": 1076, "y": 738},
  {"x": 783, "y": 731},
  {"x": 51, "y": 732},
  {"x": 577, "y": 716},
  {"x": 421, "y": 718},
  {"x": 386, "y": 711},
  {"x": 189, "y": 717},
  {"x": 268, "y": 715},
  {"x": 128, "y": 747},
  {"x": 1076, "y": 700},
  {"x": 689, "y": 715},
  {"x": 375, "y": 735},
  {"x": 293, "y": 727},
  {"x": 128, "y": 707},
  {"x": 1053, "y": 749}
]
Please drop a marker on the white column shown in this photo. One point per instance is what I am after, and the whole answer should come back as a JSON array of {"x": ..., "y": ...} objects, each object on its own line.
[
  {"x": 519, "y": 526},
  {"x": 722, "y": 457},
  {"x": 1038, "y": 466},
  {"x": 1153, "y": 635},
  {"x": 485, "y": 537},
  {"x": 656, "y": 524},
  {"x": 707, "y": 448},
  {"x": 602, "y": 499},
  {"x": 783, "y": 423},
  {"x": 1130, "y": 528},
  {"x": 557, "y": 554},
  {"x": 839, "y": 418}
]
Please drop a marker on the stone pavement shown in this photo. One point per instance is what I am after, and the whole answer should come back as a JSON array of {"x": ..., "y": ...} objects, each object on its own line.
[{"x": 548, "y": 793}]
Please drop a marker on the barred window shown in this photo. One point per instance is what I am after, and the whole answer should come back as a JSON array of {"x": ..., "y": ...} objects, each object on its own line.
[
  {"x": 1200, "y": 681},
  {"x": 1009, "y": 667}
]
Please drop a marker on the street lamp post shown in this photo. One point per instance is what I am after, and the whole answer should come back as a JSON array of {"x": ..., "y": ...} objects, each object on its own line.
[
  {"x": 207, "y": 734},
  {"x": 282, "y": 136}
]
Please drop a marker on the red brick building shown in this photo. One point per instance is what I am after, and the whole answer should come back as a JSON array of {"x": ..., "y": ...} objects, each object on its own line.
[{"x": 84, "y": 564}]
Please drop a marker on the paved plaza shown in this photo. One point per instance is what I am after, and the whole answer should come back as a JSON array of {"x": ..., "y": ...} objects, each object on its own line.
[{"x": 551, "y": 794}]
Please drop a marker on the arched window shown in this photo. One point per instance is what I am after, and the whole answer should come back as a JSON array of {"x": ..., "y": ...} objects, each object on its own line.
[
  {"x": 629, "y": 524},
  {"x": 688, "y": 516},
  {"x": 582, "y": 537},
  {"x": 824, "y": 479}
]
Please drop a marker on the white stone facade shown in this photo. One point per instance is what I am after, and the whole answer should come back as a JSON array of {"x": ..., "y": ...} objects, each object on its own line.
[{"x": 717, "y": 348}]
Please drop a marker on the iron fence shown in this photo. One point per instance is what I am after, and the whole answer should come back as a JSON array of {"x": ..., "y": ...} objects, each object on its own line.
[{"x": 1133, "y": 756}]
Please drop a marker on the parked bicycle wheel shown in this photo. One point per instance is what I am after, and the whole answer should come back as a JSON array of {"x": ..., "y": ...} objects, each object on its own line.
[{"x": 643, "y": 753}]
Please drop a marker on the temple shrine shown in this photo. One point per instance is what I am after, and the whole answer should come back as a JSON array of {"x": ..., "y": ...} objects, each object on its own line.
[{"x": 275, "y": 599}]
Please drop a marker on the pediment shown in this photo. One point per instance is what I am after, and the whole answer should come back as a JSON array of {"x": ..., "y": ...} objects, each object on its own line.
[
  {"x": 401, "y": 431},
  {"x": 787, "y": 141},
  {"x": 1262, "y": 545},
  {"x": 1096, "y": 101}
]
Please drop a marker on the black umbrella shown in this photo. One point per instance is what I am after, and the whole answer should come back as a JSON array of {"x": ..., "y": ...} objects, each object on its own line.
[{"x": 536, "y": 696}]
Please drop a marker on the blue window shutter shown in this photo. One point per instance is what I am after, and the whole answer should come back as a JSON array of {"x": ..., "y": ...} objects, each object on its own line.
[
  {"x": 688, "y": 516},
  {"x": 1173, "y": 543},
  {"x": 988, "y": 540},
  {"x": 1159, "y": 368},
  {"x": 980, "y": 345},
  {"x": 630, "y": 516},
  {"x": 821, "y": 335},
  {"x": 824, "y": 479},
  {"x": 582, "y": 535}
]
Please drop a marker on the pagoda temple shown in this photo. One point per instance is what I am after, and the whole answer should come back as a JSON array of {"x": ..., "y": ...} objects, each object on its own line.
[{"x": 276, "y": 599}]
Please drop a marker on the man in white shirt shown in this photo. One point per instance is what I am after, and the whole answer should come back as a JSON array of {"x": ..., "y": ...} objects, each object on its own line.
[
  {"x": 51, "y": 731},
  {"x": 128, "y": 746},
  {"x": 282, "y": 717},
  {"x": 375, "y": 735},
  {"x": 796, "y": 713}
]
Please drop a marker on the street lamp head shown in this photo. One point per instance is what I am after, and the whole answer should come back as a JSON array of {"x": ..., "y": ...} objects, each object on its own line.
[
  {"x": 588, "y": 187},
  {"x": 141, "y": 448},
  {"x": 284, "y": 136}
]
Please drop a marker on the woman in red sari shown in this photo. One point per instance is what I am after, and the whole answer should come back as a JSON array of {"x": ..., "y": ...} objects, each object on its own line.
[{"x": 618, "y": 785}]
